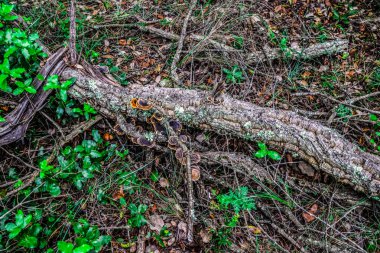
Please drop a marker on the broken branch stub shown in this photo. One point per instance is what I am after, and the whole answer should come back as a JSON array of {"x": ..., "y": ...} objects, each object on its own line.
[{"x": 320, "y": 146}]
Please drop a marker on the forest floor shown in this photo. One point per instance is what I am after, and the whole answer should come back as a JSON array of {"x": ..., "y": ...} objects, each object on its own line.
[{"x": 137, "y": 195}]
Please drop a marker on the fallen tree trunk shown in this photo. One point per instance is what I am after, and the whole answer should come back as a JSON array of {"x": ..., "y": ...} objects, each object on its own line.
[{"x": 322, "y": 147}]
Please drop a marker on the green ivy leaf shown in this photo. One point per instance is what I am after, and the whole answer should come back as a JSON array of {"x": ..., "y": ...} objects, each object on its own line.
[
  {"x": 25, "y": 53},
  {"x": 373, "y": 117},
  {"x": 274, "y": 155},
  {"x": 261, "y": 153},
  {"x": 29, "y": 242},
  {"x": 19, "y": 218},
  {"x": 14, "y": 232},
  {"x": 65, "y": 247},
  {"x": 83, "y": 249}
]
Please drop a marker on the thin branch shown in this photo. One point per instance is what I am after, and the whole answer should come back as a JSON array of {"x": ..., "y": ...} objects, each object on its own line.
[
  {"x": 73, "y": 34},
  {"x": 180, "y": 43}
]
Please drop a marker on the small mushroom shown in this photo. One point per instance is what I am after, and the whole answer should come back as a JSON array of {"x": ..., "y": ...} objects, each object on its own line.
[
  {"x": 134, "y": 140},
  {"x": 175, "y": 125},
  {"x": 195, "y": 158},
  {"x": 184, "y": 138},
  {"x": 143, "y": 105},
  {"x": 173, "y": 140},
  {"x": 118, "y": 130},
  {"x": 107, "y": 137},
  {"x": 139, "y": 128},
  {"x": 158, "y": 116},
  {"x": 158, "y": 127},
  {"x": 144, "y": 142},
  {"x": 195, "y": 173},
  {"x": 181, "y": 156},
  {"x": 131, "y": 121},
  {"x": 134, "y": 103}
]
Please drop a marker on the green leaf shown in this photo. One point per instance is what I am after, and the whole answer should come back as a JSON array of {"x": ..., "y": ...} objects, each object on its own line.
[
  {"x": 373, "y": 117},
  {"x": 31, "y": 90},
  {"x": 4, "y": 84},
  {"x": 10, "y": 227},
  {"x": 54, "y": 190},
  {"x": 122, "y": 201},
  {"x": 14, "y": 232},
  {"x": 101, "y": 241},
  {"x": 65, "y": 247},
  {"x": 29, "y": 242},
  {"x": 96, "y": 136},
  {"x": 274, "y": 155},
  {"x": 261, "y": 153},
  {"x": 25, "y": 53},
  {"x": 83, "y": 249},
  {"x": 63, "y": 95},
  {"x": 16, "y": 73},
  {"x": 262, "y": 146},
  {"x": 2, "y": 119},
  {"x": 27, "y": 220},
  {"x": 18, "y": 91},
  {"x": 35, "y": 229},
  {"x": 19, "y": 218},
  {"x": 95, "y": 154}
]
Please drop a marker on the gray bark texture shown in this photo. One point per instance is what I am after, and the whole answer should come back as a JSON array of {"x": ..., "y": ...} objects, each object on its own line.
[{"x": 322, "y": 147}]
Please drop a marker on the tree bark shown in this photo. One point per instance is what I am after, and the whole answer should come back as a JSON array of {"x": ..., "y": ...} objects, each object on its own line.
[{"x": 322, "y": 147}]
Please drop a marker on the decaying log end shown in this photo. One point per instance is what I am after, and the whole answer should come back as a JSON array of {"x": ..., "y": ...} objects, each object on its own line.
[{"x": 322, "y": 147}]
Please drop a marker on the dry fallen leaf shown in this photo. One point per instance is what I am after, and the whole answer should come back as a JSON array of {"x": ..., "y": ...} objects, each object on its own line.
[
  {"x": 123, "y": 42},
  {"x": 310, "y": 215},
  {"x": 164, "y": 182},
  {"x": 205, "y": 235},
  {"x": 119, "y": 194},
  {"x": 156, "y": 223},
  {"x": 254, "y": 230}
]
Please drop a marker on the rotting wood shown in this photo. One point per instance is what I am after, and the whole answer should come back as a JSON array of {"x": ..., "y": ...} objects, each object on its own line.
[{"x": 320, "y": 146}]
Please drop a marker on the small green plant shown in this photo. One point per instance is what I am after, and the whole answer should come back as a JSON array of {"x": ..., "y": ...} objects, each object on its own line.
[
  {"x": 47, "y": 180},
  {"x": 165, "y": 22},
  {"x": 375, "y": 137},
  {"x": 238, "y": 42},
  {"x": 23, "y": 231},
  {"x": 343, "y": 112},
  {"x": 374, "y": 80},
  {"x": 87, "y": 111},
  {"x": 21, "y": 55},
  {"x": 2, "y": 119},
  {"x": 137, "y": 218},
  {"x": 88, "y": 239},
  {"x": 343, "y": 18},
  {"x": 265, "y": 152},
  {"x": 238, "y": 200},
  {"x": 62, "y": 88},
  {"x": 235, "y": 75},
  {"x": 221, "y": 237}
]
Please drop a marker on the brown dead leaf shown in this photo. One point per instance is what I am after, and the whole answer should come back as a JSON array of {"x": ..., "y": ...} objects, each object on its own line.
[
  {"x": 164, "y": 182},
  {"x": 119, "y": 194},
  {"x": 156, "y": 223},
  {"x": 123, "y": 42},
  {"x": 205, "y": 235},
  {"x": 254, "y": 230},
  {"x": 108, "y": 56},
  {"x": 310, "y": 215}
]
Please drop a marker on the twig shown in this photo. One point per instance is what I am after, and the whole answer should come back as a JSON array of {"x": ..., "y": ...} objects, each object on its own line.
[
  {"x": 53, "y": 122},
  {"x": 73, "y": 34},
  {"x": 141, "y": 240},
  {"x": 180, "y": 43}
]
